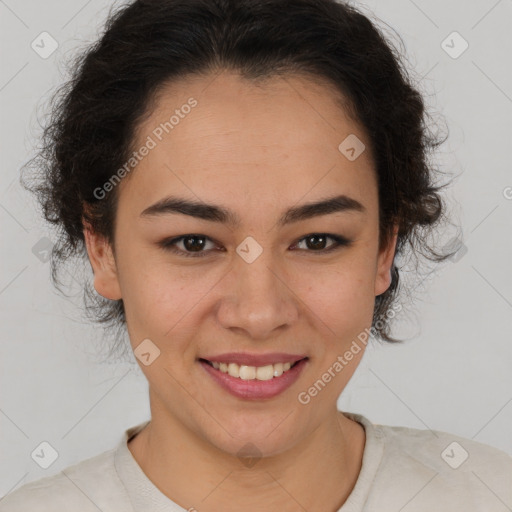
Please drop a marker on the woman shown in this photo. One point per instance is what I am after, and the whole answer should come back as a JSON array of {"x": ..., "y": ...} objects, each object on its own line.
[{"x": 242, "y": 176}]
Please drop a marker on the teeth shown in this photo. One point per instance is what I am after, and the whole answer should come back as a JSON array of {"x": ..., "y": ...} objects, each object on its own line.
[
  {"x": 265, "y": 372},
  {"x": 233, "y": 370},
  {"x": 253, "y": 372},
  {"x": 278, "y": 369},
  {"x": 244, "y": 372}
]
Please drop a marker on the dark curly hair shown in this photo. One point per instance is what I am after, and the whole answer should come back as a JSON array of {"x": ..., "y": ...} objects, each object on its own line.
[{"x": 150, "y": 43}]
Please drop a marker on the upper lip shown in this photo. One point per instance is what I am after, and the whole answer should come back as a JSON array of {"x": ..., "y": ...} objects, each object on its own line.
[{"x": 243, "y": 358}]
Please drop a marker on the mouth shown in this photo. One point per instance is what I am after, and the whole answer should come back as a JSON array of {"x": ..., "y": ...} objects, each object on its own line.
[
  {"x": 246, "y": 372},
  {"x": 255, "y": 382}
]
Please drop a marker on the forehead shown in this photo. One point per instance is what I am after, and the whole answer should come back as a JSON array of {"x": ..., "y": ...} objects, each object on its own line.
[{"x": 224, "y": 136}]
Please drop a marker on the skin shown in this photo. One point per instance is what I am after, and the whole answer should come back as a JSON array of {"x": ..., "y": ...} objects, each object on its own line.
[{"x": 257, "y": 150}]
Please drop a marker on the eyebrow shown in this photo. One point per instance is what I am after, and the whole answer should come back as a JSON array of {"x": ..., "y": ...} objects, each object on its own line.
[{"x": 215, "y": 213}]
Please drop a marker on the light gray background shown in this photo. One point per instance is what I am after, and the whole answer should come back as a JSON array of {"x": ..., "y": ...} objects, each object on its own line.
[{"x": 454, "y": 375}]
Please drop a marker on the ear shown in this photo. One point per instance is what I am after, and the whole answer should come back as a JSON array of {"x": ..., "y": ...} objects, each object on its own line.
[
  {"x": 384, "y": 263},
  {"x": 103, "y": 264}
]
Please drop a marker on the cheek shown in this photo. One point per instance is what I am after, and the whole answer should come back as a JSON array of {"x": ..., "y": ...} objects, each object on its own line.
[
  {"x": 158, "y": 300},
  {"x": 166, "y": 302},
  {"x": 343, "y": 299},
  {"x": 150, "y": 293}
]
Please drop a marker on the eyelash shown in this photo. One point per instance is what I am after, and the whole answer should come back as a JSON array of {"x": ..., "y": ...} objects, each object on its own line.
[{"x": 168, "y": 244}]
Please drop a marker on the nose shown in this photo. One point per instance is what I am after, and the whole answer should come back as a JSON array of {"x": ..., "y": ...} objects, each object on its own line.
[{"x": 259, "y": 300}]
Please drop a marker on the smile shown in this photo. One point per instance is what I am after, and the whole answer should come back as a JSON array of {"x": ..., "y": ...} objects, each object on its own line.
[
  {"x": 244, "y": 372},
  {"x": 254, "y": 382}
]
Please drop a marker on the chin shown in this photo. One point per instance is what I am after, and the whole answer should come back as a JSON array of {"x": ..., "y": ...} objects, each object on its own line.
[
  {"x": 252, "y": 446},
  {"x": 263, "y": 437}
]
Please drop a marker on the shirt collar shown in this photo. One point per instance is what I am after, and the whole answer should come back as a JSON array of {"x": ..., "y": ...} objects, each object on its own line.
[{"x": 146, "y": 497}]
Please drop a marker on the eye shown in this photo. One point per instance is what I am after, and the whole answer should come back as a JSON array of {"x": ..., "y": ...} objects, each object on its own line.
[
  {"x": 317, "y": 241},
  {"x": 193, "y": 244}
]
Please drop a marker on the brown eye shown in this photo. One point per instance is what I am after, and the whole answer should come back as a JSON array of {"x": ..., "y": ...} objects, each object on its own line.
[
  {"x": 316, "y": 242},
  {"x": 191, "y": 245},
  {"x": 194, "y": 243}
]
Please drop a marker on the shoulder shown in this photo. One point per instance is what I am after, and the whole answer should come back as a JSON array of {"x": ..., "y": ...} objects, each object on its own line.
[
  {"x": 444, "y": 470},
  {"x": 443, "y": 451},
  {"x": 89, "y": 485}
]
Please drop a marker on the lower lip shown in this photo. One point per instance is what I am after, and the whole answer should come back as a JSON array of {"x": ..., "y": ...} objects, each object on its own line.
[{"x": 255, "y": 389}]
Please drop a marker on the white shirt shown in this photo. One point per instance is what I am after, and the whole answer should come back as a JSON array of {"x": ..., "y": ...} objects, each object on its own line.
[{"x": 403, "y": 469}]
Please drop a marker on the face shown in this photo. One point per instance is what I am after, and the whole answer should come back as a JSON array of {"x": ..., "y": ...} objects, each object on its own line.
[{"x": 262, "y": 279}]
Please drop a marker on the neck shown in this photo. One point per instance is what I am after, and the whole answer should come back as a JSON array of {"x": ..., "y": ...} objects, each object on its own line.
[{"x": 317, "y": 474}]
